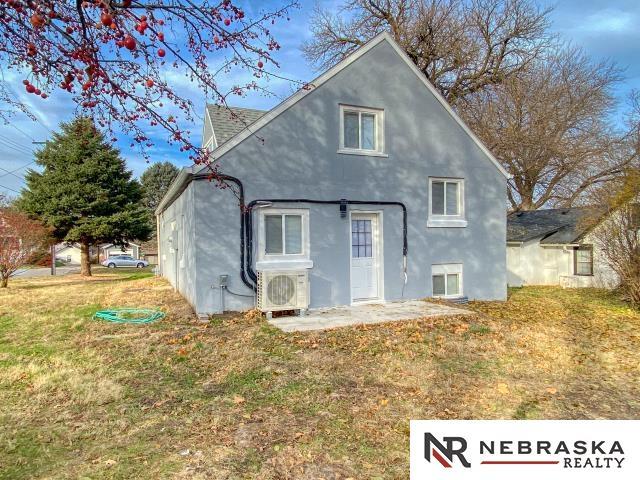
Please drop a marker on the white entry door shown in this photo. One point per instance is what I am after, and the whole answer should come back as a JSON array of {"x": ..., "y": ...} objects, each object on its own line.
[{"x": 364, "y": 256}]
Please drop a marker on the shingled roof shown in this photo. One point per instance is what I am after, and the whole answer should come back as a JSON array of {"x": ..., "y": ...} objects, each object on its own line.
[
  {"x": 227, "y": 122},
  {"x": 554, "y": 226}
]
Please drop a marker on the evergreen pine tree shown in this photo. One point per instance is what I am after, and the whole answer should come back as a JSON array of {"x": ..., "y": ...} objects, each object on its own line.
[{"x": 85, "y": 192}]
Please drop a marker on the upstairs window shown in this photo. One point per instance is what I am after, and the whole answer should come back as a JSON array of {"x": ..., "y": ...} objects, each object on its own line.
[
  {"x": 583, "y": 260},
  {"x": 446, "y": 202},
  {"x": 361, "y": 130}
]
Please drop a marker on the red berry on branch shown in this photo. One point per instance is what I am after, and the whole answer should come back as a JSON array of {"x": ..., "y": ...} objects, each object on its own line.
[
  {"x": 44, "y": 95},
  {"x": 130, "y": 42},
  {"x": 30, "y": 88},
  {"x": 25, "y": 82},
  {"x": 161, "y": 53},
  {"x": 37, "y": 21},
  {"x": 106, "y": 19},
  {"x": 227, "y": 22},
  {"x": 260, "y": 64},
  {"x": 161, "y": 36},
  {"x": 149, "y": 83}
]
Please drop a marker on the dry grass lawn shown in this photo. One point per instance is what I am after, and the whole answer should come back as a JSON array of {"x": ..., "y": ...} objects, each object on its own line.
[{"x": 236, "y": 398}]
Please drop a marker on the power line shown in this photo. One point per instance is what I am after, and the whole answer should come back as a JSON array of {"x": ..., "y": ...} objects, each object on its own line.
[
  {"x": 9, "y": 172},
  {"x": 9, "y": 188},
  {"x": 16, "y": 169},
  {"x": 17, "y": 149},
  {"x": 11, "y": 141},
  {"x": 22, "y": 131}
]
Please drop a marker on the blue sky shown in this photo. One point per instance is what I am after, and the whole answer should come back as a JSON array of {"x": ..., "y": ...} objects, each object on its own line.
[{"x": 605, "y": 29}]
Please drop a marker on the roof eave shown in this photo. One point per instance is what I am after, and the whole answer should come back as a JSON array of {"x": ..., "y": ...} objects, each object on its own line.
[{"x": 175, "y": 189}]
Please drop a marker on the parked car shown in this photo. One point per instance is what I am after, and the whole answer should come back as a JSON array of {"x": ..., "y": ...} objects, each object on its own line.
[{"x": 124, "y": 261}]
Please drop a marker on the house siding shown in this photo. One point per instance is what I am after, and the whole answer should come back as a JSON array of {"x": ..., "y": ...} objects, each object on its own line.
[
  {"x": 295, "y": 156},
  {"x": 535, "y": 264},
  {"x": 178, "y": 264}
]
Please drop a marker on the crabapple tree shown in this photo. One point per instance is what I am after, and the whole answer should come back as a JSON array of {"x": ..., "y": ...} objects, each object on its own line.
[{"x": 121, "y": 61}]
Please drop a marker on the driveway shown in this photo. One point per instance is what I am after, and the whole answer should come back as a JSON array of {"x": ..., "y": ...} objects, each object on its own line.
[
  {"x": 44, "y": 272},
  {"x": 325, "y": 318}
]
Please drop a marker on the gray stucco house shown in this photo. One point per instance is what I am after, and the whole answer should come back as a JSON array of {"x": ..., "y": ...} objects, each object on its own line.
[{"x": 363, "y": 187}]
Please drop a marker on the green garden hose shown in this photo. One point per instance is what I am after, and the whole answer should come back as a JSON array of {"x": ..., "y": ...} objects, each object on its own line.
[{"x": 129, "y": 315}]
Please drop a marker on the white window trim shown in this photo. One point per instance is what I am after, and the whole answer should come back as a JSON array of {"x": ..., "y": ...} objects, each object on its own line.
[
  {"x": 438, "y": 221},
  {"x": 379, "y": 122},
  {"x": 283, "y": 261},
  {"x": 448, "y": 269}
]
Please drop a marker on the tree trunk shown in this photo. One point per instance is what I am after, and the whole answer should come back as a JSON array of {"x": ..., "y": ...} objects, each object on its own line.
[
  {"x": 85, "y": 260},
  {"x": 4, "y": 281}
]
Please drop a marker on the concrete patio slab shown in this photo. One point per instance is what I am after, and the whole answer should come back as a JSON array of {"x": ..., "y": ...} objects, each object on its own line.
[{"x": 325, "y": 318}]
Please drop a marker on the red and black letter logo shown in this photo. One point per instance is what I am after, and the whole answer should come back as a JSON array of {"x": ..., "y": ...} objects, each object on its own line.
[{"x": 455, "y": 448}]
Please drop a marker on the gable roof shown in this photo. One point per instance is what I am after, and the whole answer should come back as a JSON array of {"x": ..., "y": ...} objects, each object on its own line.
[
  {"x": 554, "y": 226},
  {"x": 248, "y": 130},
  {"x": 228, "y": 122}
]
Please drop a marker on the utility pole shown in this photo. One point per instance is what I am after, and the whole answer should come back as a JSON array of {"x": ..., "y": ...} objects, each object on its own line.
[{"x": 53, "y": 259}]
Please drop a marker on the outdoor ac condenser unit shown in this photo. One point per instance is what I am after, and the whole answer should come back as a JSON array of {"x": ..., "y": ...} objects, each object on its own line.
[{"x": 283, "y": 290}]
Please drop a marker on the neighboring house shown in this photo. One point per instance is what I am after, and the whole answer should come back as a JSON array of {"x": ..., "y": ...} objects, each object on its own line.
[
  {"x": 557, "y": 247},
  {"x": 363, "y": 187},
  {"x": 149, "y": 252},
  {"x": 109, "y": 250},
  {"x": 70, "y": 253}
]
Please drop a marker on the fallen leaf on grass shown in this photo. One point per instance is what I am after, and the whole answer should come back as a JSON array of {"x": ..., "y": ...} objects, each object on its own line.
[
  {"x": 552, "y": 390},
  {"x": 503, "y": 388},
  {"x": 238, "y": 399}
]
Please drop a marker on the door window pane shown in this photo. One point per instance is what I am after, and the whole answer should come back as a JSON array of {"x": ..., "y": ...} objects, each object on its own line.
[
  {"x": 293, "y": 234},
  {"x": 453, "y": 284},
  {"x": 452, "y": 198},
  {"x": 438, "y": 285},
  {"x": 361, "y": 239},
  {"x": 368, "y": 131},
  {"x": 437, "y": 198},
  {"x": 273, "y": 233},
  {"x": 351, "y": 130}
]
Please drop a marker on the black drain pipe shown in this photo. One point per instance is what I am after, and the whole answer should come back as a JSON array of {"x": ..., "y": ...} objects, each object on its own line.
[
  {"x": 246, "y": 224},
  {"x": 229, "y": 178},
  {"x": 248, "y": 227}
]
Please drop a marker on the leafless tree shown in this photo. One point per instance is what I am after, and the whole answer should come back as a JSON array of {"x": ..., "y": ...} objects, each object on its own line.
[
  {"x": 618, "y": 236},
  {"x": 550, "y": 126},
  {"x": 20, "y": 238},
  {"x": 461, "y": 46}
]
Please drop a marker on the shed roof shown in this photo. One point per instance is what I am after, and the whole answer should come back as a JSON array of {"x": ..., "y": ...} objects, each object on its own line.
[
  {"x": 229, "y": 121},
  {"x": 554, "y": 225}
]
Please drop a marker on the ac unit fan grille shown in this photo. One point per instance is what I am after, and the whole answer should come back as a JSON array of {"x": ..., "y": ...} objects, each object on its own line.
[{"x": 281, "y": 290}]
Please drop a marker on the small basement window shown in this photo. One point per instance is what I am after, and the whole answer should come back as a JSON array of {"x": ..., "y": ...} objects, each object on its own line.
[
  {"x": 361, "y": 130},
  {"x": 446, "y": 280},
  {"x": 583, "y": 260}
]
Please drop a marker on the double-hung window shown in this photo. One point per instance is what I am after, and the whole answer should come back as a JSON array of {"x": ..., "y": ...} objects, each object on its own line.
[
  {"x": 361, "y": 130},
  {"x": 583, "y": 260},
  {"x": 446, "y": 280},
  {"x": 283, "y": 234},
  {"x": 446, "y": 202}
]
